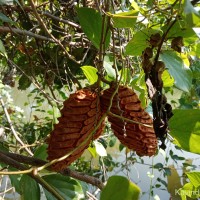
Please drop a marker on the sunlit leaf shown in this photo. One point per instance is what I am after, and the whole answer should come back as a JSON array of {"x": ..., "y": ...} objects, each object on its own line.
[
  {"x": 168, "y": 81},
  {"x": 101, "y": 151},
  {"x": 29, "y": 188},
  {"x": 90, "y": 73},
  {"x": 182, "y": 76},
  {"x": 139, "y": 42},
  {"x": 2, "y": 49},
  {"x": 92, "y": 150},
  {"x": 124, "y": 19},
  {"x": 91, "y": 23},
  {"x": 191, "y": 15},
  {"x": 194, "y": 178},
  {"x": 118, "y": 188},
  {"x": 188, "y": 190},
  {"x": 68, "y": 187},
  {"x": 186, "y": 123}
]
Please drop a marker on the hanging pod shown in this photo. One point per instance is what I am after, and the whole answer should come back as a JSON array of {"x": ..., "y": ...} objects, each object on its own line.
[
  {"x": 139, "y": 136},
  {"x": 79, "y": 117}
]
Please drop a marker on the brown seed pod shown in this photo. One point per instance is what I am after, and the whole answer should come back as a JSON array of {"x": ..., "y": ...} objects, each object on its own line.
[
  {"x": 79, "y": 117},
  {"x": 177, "y": 44},
  {"x": 135, "y": 136},
  {"x": 155, "y": 39}
]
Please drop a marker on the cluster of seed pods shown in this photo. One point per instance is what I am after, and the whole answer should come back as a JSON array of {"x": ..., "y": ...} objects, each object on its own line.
[{"x": 81, "y": 113}]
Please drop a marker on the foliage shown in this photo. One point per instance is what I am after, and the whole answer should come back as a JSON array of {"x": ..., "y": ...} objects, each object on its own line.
[{"x": 50, "y": 49}]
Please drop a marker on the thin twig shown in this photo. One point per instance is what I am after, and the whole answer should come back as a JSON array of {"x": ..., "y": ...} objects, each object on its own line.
[
  {"x": 5, "y": 29},
  {"x": 129, "y": 120},
  {"x": 43, "y": 25},
  {"x": 11, "y": 126}
]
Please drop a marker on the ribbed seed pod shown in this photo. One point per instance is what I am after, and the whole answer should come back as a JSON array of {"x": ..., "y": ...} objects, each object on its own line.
[
  {"x": 79, "y": 117},
  {"x": 135, "y": 136}
]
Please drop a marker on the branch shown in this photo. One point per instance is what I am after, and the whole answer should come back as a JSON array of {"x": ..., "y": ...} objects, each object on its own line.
[
  {"x": 5, "y": 29},
  {"x": 11, "y": 126},
  {"x": 46, "y": 13},
  {"x": 38, "y": 162},
  {"x": 43, "y": 25},
  {"x": 10, "y": 161}
]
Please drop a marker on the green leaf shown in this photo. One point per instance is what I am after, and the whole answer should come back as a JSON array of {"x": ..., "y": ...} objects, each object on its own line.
[
  {"x": 92, "y": 150},
  {"x": 29, "y": 188},
  {"x": 91, "y": 23},
  {"x": 68, "y": 187},
  {"x": 4, "y": 18},
  {"x": 90, "y": 73},
  {"x": 2, "y": 49},
  {"x": 118, "y": 188},
  {"x": 168, "y": 81},
  {"x": 182, "y": 75},
  {"x": 194, "y": 178},
  {"x": 15, "y": 181},
  {"x": 41, "y": 152},
  {"x": 189, "y": 190},
  {"x": 158, "y": 166},
  {"x": 185, "y": 128},
  {"x": 180, "y": 29},
  {"x": 124, "y": 19},
  {"x": 24, "y": 82},
  {"x": 191, "y": 15},
  {"x": 101, "y": 151},
  {"x": 108, "y": 66},
  {"x": 139, "y": 42}
]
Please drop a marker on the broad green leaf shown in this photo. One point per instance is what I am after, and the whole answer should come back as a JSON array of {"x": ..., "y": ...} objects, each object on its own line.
[
  {"x": 4, "y": 18},
  {"x": 101, "y": 151},
  {"x": 2, "y": 49},
  {"x": 188, "y": 190},
  {"x": 185, "y": 128},
  {"x": 108, "y": 65},
  {"x": 15, "y": 181},
  {"x": 118, "y": 188},
  {"x": 90, "y": 73},
  {"x": 139, "y": 42},
  {"x": 134, "y": 5},
  {"x": 125, "y": 19},
  {"x": 91, "y": 23},
  {"x": 168, "y": 81},
  {"x": 192, "y": 16},
  {"x": 179, "y": 29},
  {"x": 30, "y": 189},
  {"x": 182, "y": 75},
  {"x": 41, "y": 152},
  {"x": 68, "y": 187},
  {"x": 194, "y": 178}
]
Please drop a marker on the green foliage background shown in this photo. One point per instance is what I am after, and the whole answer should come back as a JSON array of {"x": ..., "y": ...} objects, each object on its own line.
[{"x": 49, "y": 49}]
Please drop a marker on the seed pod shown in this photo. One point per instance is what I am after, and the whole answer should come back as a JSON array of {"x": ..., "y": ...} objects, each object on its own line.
[
  {"x": 177, "y": 44},
  {"x": 135, "y": 136},
  {"x": 79, "y": 117}
]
